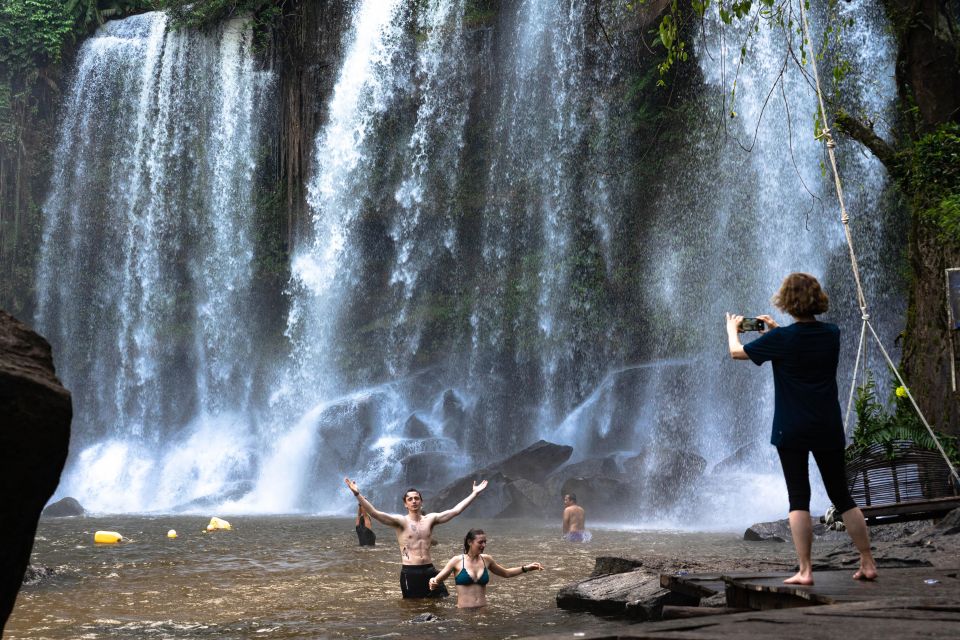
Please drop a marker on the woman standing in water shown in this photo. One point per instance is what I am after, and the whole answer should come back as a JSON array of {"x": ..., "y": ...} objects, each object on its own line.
[
  {"x": 473, "y": 568},
  {"x": 806, "y": 415}
]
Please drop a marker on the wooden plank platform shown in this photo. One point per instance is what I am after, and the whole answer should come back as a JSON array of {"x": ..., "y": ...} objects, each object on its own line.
[
  {"x": 913, "y": 510},
  {"x": 837, "y": 587}
]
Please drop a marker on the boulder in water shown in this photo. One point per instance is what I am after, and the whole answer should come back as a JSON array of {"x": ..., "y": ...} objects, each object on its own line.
[
  {"x": 674, "y": 473},
  {"x": 425, "y": 617},
  {"x": 535, "y": 462},
  {"x": 35, "y": 574},
  {"x": 512, "y": 491},
  {"x": 755, "y": 457},
  {"x": 530, "y": 500},
  {"x": 455, "y": 416},
  {"x": 425, "y": 469},
  {"x": 493, "y": 501},
  {"x": 34, "y": 437},
  {"x": 64, "y": 508},
  {"x": 416, "y": 428}
]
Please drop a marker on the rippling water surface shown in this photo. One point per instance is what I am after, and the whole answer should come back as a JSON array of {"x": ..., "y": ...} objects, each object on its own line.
[{"x": 303, "y": 577}]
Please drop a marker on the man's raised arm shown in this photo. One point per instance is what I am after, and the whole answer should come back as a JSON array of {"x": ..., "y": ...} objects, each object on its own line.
[
  {"x": 372, "y": 511},
  {"x": 449, "y": 514}
]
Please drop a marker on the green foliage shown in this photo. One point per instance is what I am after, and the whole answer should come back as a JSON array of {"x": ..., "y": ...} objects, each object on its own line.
[
  {"x": 32, "y": 33},
  {"x": 205, "y": 14},
  {"x": 934, "y": 179},
  {"x": 875, "y": 425},
  {"x": 479, "y": 13}
]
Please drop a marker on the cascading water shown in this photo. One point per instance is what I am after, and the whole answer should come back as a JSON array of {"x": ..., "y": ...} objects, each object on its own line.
[
  {"x": 545, "y": 211},
  {"x": 755, "y": 206},
  {"x": 482, "y": 266},
  {"x": 369, "y": 180},
  {"x": 146, "y": 264}
]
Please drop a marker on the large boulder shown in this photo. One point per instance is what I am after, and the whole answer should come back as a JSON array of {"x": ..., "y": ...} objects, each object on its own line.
[
  {"x": 493, "y": 501},
  {"x": 34, "y": 439},
  {"x": 535, "y": 462},
  {"x": 528, "y": 500},
  {"x": 779, "y": 531},
  {"x": 514, "y": 489},
  {"x": 63, "y": 509},
  {"x": 414, "y": 427},
  {"x": 344, "y": 429},
  {"x": 756, "y": 457},
  {"x": 675, "y": 473},
  {"x": 455, "y": 416}
]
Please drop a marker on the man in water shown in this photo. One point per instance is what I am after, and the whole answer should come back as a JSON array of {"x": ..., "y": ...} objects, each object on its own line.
[
  {"x": 365, "y": 534},
  {"x": 574, "y": 520},
  {"x": 415, "y": 536}
]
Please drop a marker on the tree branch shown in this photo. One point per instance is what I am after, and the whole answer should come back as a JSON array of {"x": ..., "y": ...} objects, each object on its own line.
[{"x": 865, "y": 135}]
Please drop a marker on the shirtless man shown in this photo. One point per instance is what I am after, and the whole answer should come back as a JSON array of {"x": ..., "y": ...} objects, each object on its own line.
[
  {"x": 415, "y": 535},
  {"x": 574, "y": 520}
]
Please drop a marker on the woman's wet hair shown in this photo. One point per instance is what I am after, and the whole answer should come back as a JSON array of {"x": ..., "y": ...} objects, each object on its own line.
[
  {"x": 470, "y": 537},
  {"x": 801, "y": 295}
]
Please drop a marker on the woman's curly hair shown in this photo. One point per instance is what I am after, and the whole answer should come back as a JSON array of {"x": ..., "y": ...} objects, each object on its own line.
[{"x": 801, "y": 295}]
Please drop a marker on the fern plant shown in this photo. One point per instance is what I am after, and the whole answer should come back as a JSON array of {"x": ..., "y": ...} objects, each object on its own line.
[{"x": 876, "y": 425}]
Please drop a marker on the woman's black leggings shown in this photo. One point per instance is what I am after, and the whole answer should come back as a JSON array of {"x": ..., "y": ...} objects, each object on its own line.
[{"x": 831, "y": 465}]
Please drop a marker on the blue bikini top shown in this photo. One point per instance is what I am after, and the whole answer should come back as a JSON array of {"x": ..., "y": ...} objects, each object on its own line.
[{"x": 464, "y": 579}]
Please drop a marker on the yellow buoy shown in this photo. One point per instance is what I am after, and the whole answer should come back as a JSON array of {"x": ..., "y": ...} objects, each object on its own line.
[
  {"x": 218, "y": 523},
  {"x": 107, "y": 537},
  {"x": 172, "y": 533}
]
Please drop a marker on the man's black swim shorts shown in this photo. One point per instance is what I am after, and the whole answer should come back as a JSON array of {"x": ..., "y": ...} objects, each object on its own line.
[{"x": 414, "y": 581}]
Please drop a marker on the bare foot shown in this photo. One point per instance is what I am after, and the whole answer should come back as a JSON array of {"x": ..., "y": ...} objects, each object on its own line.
[
  {"x": 865, "y": 574},
  {"x": 805, "y": 579}
]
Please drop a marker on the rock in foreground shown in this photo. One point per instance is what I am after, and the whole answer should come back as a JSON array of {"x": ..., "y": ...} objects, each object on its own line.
[
  {"x": 635, "y": 592},
  {"x": 34, "y": 437}
]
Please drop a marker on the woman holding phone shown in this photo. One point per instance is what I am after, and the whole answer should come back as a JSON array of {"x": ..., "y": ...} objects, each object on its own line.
[{"x": 806, "y": 417}]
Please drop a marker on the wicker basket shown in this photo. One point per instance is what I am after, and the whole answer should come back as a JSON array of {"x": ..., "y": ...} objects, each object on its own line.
[{"x": 911, "y": 474}]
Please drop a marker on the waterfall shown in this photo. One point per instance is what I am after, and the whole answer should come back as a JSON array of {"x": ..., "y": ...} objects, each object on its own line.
[
  {"x": 146, "y": 262},
  {"x": 374, "y": 233},
  {"x": 755, "y": 206},
  {"x": 490, "y": 257}
]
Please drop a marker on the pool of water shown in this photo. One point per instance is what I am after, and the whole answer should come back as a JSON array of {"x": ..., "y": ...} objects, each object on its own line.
[{"x": 305, "y": 577}]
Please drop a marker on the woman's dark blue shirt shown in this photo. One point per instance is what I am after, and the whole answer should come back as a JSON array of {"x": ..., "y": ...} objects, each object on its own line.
[{"x": 806, "y": 411}]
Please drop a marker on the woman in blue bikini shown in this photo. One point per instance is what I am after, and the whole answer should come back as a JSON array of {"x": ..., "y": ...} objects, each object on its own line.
[{"x": 473, "y": 568}]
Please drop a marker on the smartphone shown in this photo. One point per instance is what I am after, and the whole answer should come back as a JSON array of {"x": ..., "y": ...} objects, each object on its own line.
[{"x": 752, "y": 324}]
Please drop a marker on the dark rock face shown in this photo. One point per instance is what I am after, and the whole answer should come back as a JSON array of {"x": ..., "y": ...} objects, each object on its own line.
[
  {"x": 513, "y": 490},
  {"x": 34, "y": 437},
  {"x": 494, "y": 500},
  {"x": 535, "y": 462},
  {"x": 779, "y": 531},
  {"x": 755, "y": 457},
  {"x": 64, "y": 509},
  {"x": 416, "y": 428}
]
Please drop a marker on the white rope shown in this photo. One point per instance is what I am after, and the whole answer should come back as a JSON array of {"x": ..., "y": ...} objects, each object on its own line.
[
  {"x": 845, "y": 219},
  {"x": 861, "y": 353}
]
